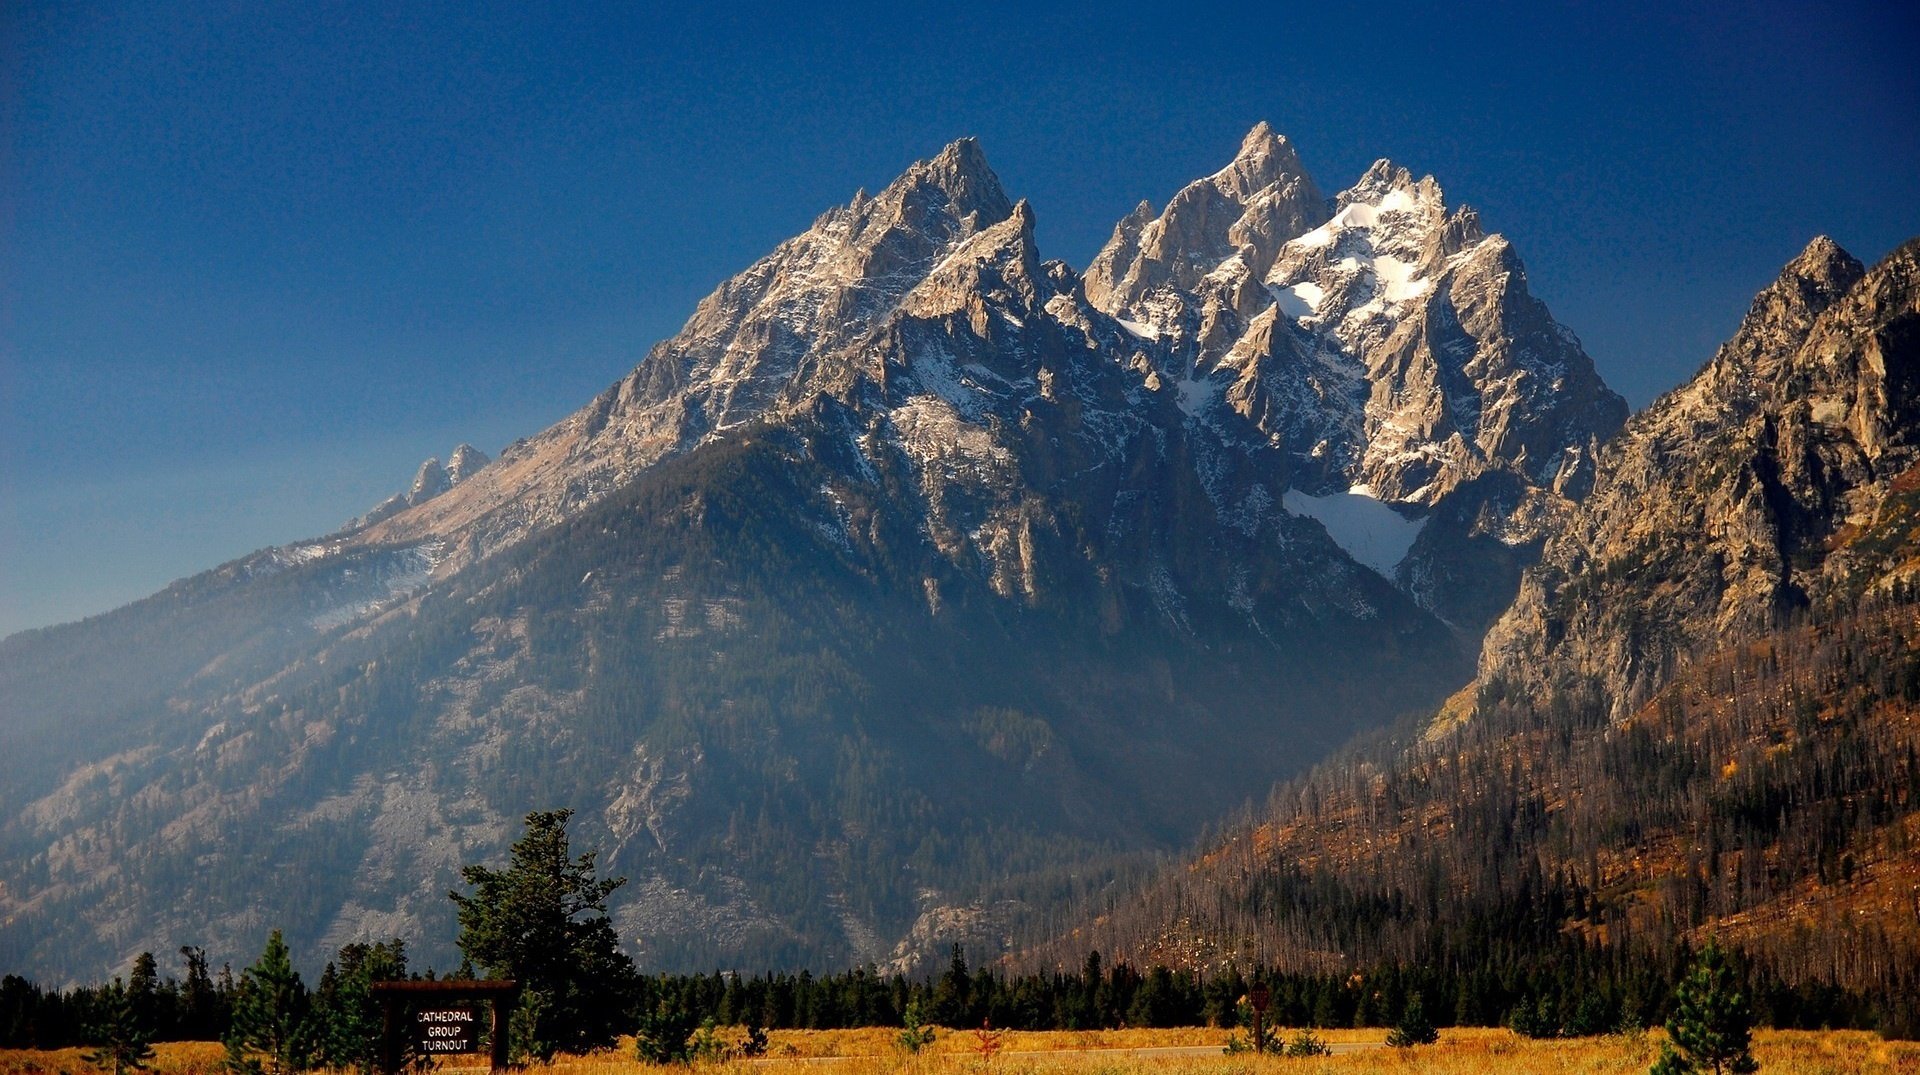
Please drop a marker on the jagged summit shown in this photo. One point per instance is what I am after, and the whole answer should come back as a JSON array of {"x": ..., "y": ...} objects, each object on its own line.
[
  {"x": 429, "y": 481},
  {"x": 1765, "y": 484},
  {"x": 962, "y": 172},
  {"x": 1262, "y": 198},
  {"x": 1382, "y": 339},
  {"x": 465, "y": 462},
  {"x": 1265, "y": 158}
]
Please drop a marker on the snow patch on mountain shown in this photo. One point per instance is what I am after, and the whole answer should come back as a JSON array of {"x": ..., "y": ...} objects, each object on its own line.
[{"x": 1371, "y": 532}]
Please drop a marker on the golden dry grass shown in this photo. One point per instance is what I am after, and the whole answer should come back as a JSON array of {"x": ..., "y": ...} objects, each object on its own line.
[
  {"x": 1467, "y": 1051},
  {"x": 871, "y": 1052},
  {"x": 169, "y": 1058}
]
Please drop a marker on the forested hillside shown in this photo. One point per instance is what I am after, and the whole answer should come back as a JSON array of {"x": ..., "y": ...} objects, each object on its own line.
[{"x": 1701, "y": 719}]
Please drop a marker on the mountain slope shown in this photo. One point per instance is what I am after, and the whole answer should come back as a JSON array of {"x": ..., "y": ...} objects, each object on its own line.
[
  {"x": 1737, "y": 498},
  {"x": 1385, "y": 344},
  {"x": 904, "y": 584},
  {"x": 1702, "y": 716}
]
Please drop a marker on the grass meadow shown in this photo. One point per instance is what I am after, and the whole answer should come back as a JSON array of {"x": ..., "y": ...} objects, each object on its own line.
[{"x": 1464, "y": 1051}]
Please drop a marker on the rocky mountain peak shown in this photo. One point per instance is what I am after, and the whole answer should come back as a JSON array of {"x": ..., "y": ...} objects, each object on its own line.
[
  {"x": 464, "y": 462},
  {"x": 1746, "y": 369},
  {"x": 1770, "y": 482},
  {"x": 1244, "y": 211},
  {"x": 961, "y": 173},
  {"x": 1265, "y": 159},
  {"x": 1381, "y": 178},
  {"x": 1811, "y": 282},
  {"x": 429, "y": 481}
]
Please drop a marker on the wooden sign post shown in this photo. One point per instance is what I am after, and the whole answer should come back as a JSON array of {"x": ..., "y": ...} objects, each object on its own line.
[
  {"x": 1259, "y": 996},
  {"x": 439, "y": 1018}
]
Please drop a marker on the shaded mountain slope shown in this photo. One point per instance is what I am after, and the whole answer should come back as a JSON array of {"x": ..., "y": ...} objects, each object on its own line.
[
  {"x": 1722, "y": 736},
  {"x": 916, "y": 582}
]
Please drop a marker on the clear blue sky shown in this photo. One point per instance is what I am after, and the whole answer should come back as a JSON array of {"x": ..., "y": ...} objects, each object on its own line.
[{"x": 258, "y": 260}]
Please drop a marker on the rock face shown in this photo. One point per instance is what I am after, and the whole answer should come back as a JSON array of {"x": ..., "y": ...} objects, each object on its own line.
[
  {"x": 1764, "y": 485},
  {"x": 429, "y": 481},
  {"x": 912, "y": 563},
  {"x": 1385, "y": 344},
  {"x": 464, "y": 463},
  {"x": 1700, "y": 718}
]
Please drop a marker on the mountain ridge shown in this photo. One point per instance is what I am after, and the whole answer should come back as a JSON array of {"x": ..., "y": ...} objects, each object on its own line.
[
  {"x": 1697, "y": 719},
  {"x": 668, "y": 609}
]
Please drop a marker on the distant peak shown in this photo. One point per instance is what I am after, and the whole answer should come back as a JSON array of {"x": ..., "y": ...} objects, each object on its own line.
[
  {"x": 430, "y": 481},
  {"x": 963, "y": 150},
  {"x": 962, "y": 173},
  {"x": 1809, "y": 283},
  {"x": 1823, "y": 262},
  {"x": 1260, "y": 139},
  {"x": 963, "y": 161},
  {"x": 1384, "y": 176},
  {"x": 1265, "y": 158},
  {"x": 465, "y": 460}
]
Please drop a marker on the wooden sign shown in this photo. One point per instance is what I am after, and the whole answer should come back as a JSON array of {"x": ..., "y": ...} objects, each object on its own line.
[
  {"x": 446, "y": 1030},
  {"x": 440, "y": 1019}
]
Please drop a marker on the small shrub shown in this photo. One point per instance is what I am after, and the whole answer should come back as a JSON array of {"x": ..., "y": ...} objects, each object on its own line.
[
  {"x": 665, "y": 1035},
  {"x": 915, "y": 1034},
  {"x": 987, "y": 1041},
  {"x": 1533, "y": 1019},
  {"x": 756, "y": 1042},
  {"x": 1414, "y": 1027},
  {"x": 706, "y": 1046},
  {"x": 1305, "y": 1043}
]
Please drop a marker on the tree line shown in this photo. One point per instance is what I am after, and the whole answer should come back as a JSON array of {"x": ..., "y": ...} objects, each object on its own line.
[
  {"x": 1768, "y": 791},
  {"x": 542, "y": 921}
]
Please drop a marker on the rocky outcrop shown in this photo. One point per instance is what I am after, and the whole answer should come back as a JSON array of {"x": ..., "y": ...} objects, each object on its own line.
[
  {"x": 1759, "y": 488},
  {"x": 431, "y": 480},
  {"x": 465, "y": 462},
  {"x": 1384, "y": 342}
]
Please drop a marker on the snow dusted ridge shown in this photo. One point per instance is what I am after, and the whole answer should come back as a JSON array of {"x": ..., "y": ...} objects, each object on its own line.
[
  {"x": 1377, "y": 339},
  {"x": 1387, "y": 342},
  {"x": 1381, "y": 340}
]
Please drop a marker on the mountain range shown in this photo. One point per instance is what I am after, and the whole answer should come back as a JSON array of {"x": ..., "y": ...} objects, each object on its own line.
[
  {"x": 920, "y": 589},
  {"x": 1700, "y": 716}
]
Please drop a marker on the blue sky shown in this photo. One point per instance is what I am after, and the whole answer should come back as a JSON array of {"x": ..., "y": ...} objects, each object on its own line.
[{"x": 259, "y": 260}]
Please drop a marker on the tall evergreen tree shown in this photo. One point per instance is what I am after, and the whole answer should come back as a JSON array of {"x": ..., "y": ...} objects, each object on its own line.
[
  {"x": 202, "y": 1015},
  {"x": 543, "y": 922},
  {"x": 346, "y": 1015},
  {"x": 1711, "y": 1022},
  {"x": 143, "y": 992},
  {"x": 119, "y": 1036},
  {"x": 271, "y": 1031},
  {"x": 953, "y": 993}
]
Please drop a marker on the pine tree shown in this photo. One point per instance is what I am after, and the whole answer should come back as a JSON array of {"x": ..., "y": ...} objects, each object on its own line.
[
  {"x": 1711, "y": 1022},
  {"x": 202, "y": 1015},
  {"x": 915, "y": 1034},
  {"x": 346, "y": 1016},
  {"x": 952, "y": 994},
  {"x": 543, "y": 923},
  {"x": 271, "y": 1032},
  {"x": 143, "y": 992},
  {"x": 1414, "y": 1027},
  {"x": 120, "y": 1038}
]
